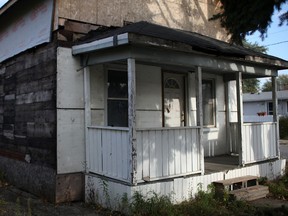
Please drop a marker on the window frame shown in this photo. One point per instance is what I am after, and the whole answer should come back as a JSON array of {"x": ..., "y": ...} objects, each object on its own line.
[
  {"x": 213, "y": 93},
  {"x": 107, "y": 98}
]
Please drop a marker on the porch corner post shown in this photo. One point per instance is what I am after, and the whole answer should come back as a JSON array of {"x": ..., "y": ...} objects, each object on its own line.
[
  {"x": 275, "y": 114},
  {"x": 227, "y": 109},
  {"x": 87, "y": 114},
  {"x": 132, "y": 118},
  {"x": 200, "y": 115},
  {"x": 240, "y": 118}
]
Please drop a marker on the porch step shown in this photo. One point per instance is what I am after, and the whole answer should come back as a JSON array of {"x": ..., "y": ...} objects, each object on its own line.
[
  {"x": 250, "y": 193},
  {"x": 244, "y": 188}
]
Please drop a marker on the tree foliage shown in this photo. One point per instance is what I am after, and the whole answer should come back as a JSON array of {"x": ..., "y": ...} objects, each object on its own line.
[
  {"x": 241, "y": 18},
  {"x": 282, "y": 83},
  {"x": 252, "y": 85}
]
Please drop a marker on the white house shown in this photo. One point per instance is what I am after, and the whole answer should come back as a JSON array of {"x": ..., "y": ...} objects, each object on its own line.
[
  {"x": 261, "y": 103},
  {"x": 149, "y": 106}
]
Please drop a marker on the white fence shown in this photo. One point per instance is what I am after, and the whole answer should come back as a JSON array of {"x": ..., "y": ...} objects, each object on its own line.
[
  {"x": 167, "y": 152},
  {"x": 259, "y": 141},
  {"x": 161, "y": 152}
]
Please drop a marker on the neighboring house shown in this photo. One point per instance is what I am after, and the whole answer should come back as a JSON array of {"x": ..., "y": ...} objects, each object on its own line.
[
  {"x": 139, "y": 106},
  {"x": 261, "y": 104}
]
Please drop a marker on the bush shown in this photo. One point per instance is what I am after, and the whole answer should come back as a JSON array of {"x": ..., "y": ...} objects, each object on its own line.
[{"x": 283, "y": 127}]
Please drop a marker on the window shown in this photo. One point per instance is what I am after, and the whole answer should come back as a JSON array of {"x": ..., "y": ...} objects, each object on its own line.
[
  {"x": 270, "y": 108},
  {"x": 208, "y": 94},
  {"x": 117, "y": 100}
]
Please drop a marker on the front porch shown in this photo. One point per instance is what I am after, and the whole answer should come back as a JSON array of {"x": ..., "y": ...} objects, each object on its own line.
[{"x": 155, "y": 109}]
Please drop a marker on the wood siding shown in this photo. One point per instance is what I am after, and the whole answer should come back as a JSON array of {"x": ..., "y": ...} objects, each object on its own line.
[
  {"x": 28, "y": 105},
  {"x": 186, "y": 15},
  {"x": 108, "y": 152},
  {"x": 167, "y": 152},
  {"x": 259, "y": 141},
  {"x": 161, "y": 153}
]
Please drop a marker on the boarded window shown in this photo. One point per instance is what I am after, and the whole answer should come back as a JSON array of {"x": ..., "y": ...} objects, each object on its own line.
[
  {"x": 117, "y": 100},
  {"x": 208, "y": 103}
]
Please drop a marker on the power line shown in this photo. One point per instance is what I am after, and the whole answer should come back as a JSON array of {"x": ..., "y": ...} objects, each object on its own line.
[{"x": 275, "y": 43}]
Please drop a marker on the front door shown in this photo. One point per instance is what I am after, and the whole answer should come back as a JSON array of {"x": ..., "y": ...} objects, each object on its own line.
[{"x": 174, "y": 103}]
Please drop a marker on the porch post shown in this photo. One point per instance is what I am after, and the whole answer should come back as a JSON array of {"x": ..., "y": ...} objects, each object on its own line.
[
  {"x": 87, "y": 113},
  {"x": 199, "y": 98},
  {"x": 227, "y": 109},
  {"x": 275, "y": 113},
  {"x": 240, "y": 117},
  {"x": 132, "y": 118}
]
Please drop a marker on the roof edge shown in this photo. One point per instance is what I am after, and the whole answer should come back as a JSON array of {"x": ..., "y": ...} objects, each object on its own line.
[{"x": 7, "y": 5}]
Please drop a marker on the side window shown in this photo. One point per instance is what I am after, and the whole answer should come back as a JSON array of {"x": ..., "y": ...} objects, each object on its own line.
[
  {"x": 270, "y": 108},
  {"x": 209, "y": 111},
  {"x": 117, "y": 99}
]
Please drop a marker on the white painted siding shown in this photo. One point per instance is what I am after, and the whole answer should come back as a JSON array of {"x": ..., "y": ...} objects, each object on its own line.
[
  {"x": 70, "y": 114},
  {"x": 163, "y": 153},
  {"x": 108, "y": 152},
  {"x": 259, "y": 142},
  {"x": 179, "y": 189},
  {"x": 148, "y": 96}
]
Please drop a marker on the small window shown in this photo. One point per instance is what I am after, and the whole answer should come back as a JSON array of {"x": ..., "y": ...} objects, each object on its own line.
[
  {"x": 270, "y": 108},
  {"x": 208, "y": 100},
  {"x": 172, "y": 84},
  {"x": 117, "y": 100}
]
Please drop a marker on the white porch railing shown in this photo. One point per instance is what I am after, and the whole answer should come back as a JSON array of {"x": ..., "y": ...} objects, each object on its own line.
[
  {"x": 258, "y": 143},
  {"x": 109, "y": 152},
  {"x": 167, "y": 152},
  {"x": 161, "y": 152}
]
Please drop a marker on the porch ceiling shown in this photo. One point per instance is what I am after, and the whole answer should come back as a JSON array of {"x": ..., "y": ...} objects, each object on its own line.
[{"x": 156, "y": 44}]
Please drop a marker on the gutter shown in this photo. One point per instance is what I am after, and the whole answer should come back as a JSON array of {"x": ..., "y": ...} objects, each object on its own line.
[{"x": 105, "y": 43}]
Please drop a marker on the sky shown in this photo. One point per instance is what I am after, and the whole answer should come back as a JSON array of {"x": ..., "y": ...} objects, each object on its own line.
[{"x": 276, "y": 40}]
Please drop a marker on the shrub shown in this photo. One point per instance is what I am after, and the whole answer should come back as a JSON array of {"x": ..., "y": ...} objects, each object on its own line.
[{"x": 283, "y": 127}]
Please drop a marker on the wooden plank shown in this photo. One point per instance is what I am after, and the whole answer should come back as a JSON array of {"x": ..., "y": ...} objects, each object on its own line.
[
  {"x": 199, "y": 97},
  {"x": 132, "y": 117},
  {"x": 159, "y": 153},
  {"x": 275, "y": 115},
  {"x": 183, "y": 151},
  {"x": 87, "y": 111},
  {"x": 152, "y": 154},
  {"x": 177, "y": 149},
  {"x": 139, "y": 155},
  {"x": 189, "y": 152},
  {"x": 240, "y": 117},
  {"x": 165, "y": 153},
  {"x": 146, "y": 156},
  {"x": 236, "y": 180},
  {"x": 172, "y": 150}
]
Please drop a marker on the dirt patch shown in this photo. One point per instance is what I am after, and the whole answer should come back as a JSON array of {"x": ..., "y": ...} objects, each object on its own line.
[{"x": 16, "y": 202}]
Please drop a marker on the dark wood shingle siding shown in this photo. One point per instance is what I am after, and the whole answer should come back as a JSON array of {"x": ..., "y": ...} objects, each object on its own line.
[{"x": 28, "y": 105}]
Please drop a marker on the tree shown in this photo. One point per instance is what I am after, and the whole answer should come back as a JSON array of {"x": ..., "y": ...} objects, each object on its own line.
[
  {"x": 282, "y": 83},
  {"x": 252, "y": 85},
  {"x": 241, "y": 18}
]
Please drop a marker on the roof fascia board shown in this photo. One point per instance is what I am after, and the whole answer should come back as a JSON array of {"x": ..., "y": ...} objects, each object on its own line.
[
  {"x": 7, "y": 5},
  {"x": 158, "y": 56},
  {"x": 101, "y": 44}
]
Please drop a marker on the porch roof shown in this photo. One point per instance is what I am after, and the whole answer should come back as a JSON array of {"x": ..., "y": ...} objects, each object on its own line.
[{"x": 150, "y": 35}]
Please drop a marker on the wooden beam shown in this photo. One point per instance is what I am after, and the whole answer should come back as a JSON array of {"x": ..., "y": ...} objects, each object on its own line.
[
  {"x": 240, "y": 117},
  {"x": 227, "y": 114},
  {"x": 275, "y": 113},
  {"x": 132, "y": 118},
  {"x": 87, "y": 111},
  {"x": 199, "y": 98}
]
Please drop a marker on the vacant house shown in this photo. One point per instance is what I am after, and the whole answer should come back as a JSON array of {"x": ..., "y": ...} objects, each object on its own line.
[
  {"x": 124, "y": 92},
  {"x": 257, "y": 105}
]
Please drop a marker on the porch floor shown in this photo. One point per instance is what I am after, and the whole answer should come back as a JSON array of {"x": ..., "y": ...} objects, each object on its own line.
[{"x": 220, "y": 163}]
